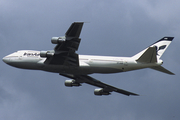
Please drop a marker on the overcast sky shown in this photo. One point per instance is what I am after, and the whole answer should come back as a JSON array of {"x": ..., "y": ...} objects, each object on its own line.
[{"x": 114, "y": 28}]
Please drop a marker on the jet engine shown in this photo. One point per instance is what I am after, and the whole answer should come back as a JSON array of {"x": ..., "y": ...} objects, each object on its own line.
[
  {"x": 70, "y": 83},
  {"x": 57, "y": 40},
  {"x": 100, "y": 91},
  {"x": 46, "y": 54}
]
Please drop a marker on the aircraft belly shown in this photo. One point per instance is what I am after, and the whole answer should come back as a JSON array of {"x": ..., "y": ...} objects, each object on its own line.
[
  {"x": 102, "y": 67},
  {"x": 92, "y": 67},
  {"x": 105, "y": 70},
  {"x": 79, "y": 70}
]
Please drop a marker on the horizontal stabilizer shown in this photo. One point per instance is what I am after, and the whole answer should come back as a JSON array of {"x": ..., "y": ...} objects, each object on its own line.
[
  {"x": 149, "y": 56},
  {"x": 162, "y": 69}
]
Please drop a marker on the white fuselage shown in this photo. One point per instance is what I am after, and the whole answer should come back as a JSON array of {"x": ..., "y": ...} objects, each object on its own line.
[{"x": 88, "y": 64}]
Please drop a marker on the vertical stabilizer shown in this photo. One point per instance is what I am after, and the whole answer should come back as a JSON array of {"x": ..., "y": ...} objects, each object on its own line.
[
  {"x": 160, "y": 46},
  {"x": 153, "y": 53}
]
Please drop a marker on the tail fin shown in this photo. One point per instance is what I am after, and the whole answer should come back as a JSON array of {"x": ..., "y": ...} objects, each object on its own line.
[
  {"x": 160, "y": 46},
  {"x": 153, "y": 53}
]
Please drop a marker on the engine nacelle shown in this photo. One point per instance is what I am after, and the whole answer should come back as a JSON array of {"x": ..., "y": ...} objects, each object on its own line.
[
  {"x": 57, "y": 40},
  {"x": 46, "y": 54},
  {"x": 100, "y": 92},
  {"x": 70, "y": 83}
]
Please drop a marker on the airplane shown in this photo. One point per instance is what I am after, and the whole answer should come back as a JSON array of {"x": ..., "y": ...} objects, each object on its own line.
[{"x": 65, "y": 61}]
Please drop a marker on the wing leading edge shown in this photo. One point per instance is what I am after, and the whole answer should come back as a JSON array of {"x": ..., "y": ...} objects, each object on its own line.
[{"x": 105, "y": 89}]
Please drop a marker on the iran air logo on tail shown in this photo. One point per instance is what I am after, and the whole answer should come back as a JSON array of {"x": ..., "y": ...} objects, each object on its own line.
[{"x": 160, "y": 48}]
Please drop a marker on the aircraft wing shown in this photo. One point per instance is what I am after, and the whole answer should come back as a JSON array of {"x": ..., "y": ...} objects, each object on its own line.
[
  {"x": 64, "y": 52},
  {"x": 106, "y": 89}
]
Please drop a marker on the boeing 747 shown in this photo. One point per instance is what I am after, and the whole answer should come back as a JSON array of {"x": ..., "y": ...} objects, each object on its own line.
[{"x": 65, "y": 61}]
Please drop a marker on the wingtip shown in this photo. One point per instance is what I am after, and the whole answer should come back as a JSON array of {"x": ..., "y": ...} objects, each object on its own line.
[
  {"x": 136, "y": 95},
  {"x": 133, "y": 94},
  {"x": 173, "y": 73}
]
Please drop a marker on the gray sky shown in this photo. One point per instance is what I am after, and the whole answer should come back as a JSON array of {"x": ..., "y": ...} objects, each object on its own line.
[{"x": 115, "y": 28}]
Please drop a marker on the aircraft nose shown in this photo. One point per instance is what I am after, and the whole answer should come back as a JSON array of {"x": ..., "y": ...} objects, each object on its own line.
[{"x": 6, "y": 59}]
